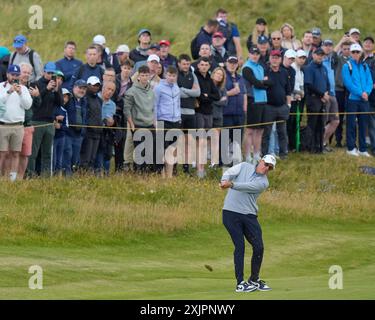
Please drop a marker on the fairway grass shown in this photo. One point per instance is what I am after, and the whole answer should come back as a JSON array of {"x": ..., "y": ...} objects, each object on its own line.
[{"x": 296, "y": 263}]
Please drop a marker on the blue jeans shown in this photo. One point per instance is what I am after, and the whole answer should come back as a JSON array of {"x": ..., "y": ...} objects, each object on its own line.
[
  {"x": 371, "y": 127},
  {"x": 72, "y": 151},
  {"x": 58, "y": 151},
  {"x": 351, "y": 126},
  {"x": 273, "y": 147}
]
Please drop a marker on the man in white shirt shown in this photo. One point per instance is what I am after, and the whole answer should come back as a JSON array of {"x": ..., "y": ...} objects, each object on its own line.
[{"x": 14, "y": 100}]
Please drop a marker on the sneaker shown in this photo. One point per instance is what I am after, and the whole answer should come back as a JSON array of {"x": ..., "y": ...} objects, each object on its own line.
[
  {"x": 365, "y": 154},
  {"x": 245, "y": 287},
  {"x": 327, "y": 148},
  {"x": 260, "y": 285},
  {"x": 353, "y": 152}
]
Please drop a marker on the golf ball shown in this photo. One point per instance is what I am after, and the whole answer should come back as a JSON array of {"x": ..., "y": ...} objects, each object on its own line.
[{"x": 54, "y": 19}]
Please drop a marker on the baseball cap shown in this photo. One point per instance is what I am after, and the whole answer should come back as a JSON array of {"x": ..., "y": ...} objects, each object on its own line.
[
  {"x": 232, "y": 59},
  {"x": 261, "y": 21},
  {"x": 319, "y": 51},
  {"x": 290, "y": 53},
  {"x": 254, "y": 49},
  {"x": 275, "y": 53},
  {"x": 355, "y": 47},
  {"x": 93, "y": 80},
  {"x": 301, "y": 53},
  {"x": 262, "y": 39},
  {"x": 153, "y": 57},
  {"x": 143, "y": 31},
  {"x": 60, "y": 74},
  {"x": 50, "y": 67},
  {"x": 369, "y": 38},
  {"x": 66, "y": 91},
  {"x": 327, "y": 42},
  {"x": 218, "y": 35},
  {"x": 270, "y": 159},
  {"x": 354, "y": 30},
  {"x": 14, "y": 69},
  {"x": 316, "y": 32},
  {"x": 80, "y": 83},
  {"x": 164, "y": 43},
  {"x": 99, "y": 39},
  {"x": 19, "y": 41},
  {"x": 155, "y": 46},
  {"x": 122, "y": 48}
]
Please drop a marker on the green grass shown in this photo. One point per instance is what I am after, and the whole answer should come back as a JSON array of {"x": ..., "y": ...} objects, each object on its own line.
[
  {"x": 120, "y": 20},
  {"x": 148, "y": 238}
]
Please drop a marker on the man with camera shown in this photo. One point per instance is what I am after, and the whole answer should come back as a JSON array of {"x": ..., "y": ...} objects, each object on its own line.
[
  {"x": 14, "y": 100},
  {"x": 50, "y": 91}
]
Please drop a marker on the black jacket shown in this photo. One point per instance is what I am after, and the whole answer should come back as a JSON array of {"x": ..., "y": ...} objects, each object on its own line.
[
  {"x": 207, "y": 87},
  {"x": 50, "y": 101}
]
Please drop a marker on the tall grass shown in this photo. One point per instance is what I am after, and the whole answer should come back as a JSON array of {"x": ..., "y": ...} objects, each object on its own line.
[{"x": 179, "y": 21}]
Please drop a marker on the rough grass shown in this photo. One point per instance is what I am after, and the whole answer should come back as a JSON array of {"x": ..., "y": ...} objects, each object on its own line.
[{"x": 120, "y": 20}]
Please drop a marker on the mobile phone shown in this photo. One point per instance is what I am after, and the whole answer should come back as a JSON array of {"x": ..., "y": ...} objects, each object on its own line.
[
  {"x": 53, "y": 77},
  {"x": 16, "y": 81}
]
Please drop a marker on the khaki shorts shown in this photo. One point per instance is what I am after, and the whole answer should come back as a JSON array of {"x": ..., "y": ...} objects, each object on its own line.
[
  {"x": 27, "y": 142},
  {"x": 332, "y": 110},
  {"x": 11, "y": 138}
]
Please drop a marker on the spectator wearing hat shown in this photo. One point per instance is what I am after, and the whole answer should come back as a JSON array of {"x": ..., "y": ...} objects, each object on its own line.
[
  {"x": 14, "y": 100},
  {"x": 76, "y": 110},
  {"x": 100, "y": 40},
  {"x": 317, "y": 38},
  {"x": 341, "y": 92},
  {"x": 205, "y": 52},
  {"x": 61, "y": 124},
  {"x": 260, "y": 29},
  {"x": 119, "y": 57},
  {"x": 69, "y": 64},
  {"x": 152, "y": 63},
  {"x": 140, "y": 53},
  {"x": 368, "y": 48},
  {"x": 317, "y": 96},
  {"x": 218, "y": 51},
  {"x": 91, "y": 140},
  {"x": 166, "y": 59},
  {"x": 190, "y": 91},
  {"x": 50, "y": 91},
  {"x": 256, "y": 84},
  {"x": 331, "y": 119},
  {"x": 359, "y": 83},
  {"x": 276, "y": 38},
  {"x": 90, "y": 68},
  {"x": 298, "y": 95},
  {"x": 355, "y": 35},
  {"x": 231, "y": 34},
  {"x": 278, "y": 98},
  {"x": 23, "y": 53},
  {"x": 203, "y": 36},
  {"x": 4, "y": 61},
  {"x": 234, "y": 111},
  {"x": 289, "y": 40},
  {"x": 264, "y": 48}
]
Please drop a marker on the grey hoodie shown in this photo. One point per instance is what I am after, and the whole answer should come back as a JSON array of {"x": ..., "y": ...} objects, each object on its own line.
[{"x": 139, "y": 105}]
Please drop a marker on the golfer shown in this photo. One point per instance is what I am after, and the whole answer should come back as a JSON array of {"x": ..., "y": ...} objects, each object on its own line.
[{"x": 246, "y": 182}]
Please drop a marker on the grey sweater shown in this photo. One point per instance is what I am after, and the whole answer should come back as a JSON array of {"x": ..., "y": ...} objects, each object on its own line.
[{"x": 247, "y": 186}]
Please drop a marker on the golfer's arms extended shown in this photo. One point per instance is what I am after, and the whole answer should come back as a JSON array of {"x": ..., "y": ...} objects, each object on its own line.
[
  {"x": 232, "y": 173},
  {"x": 254, "y": 186}
]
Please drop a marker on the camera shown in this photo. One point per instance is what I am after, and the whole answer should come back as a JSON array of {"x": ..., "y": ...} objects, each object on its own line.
[
  {"x": 16, "y": 81},
  {"x": 53, "y": 77}
]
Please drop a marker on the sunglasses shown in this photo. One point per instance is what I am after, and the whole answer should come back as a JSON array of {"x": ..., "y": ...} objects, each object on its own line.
[
  {"x": 356, "y": 52},
  {"x": 276, "y": 38}
]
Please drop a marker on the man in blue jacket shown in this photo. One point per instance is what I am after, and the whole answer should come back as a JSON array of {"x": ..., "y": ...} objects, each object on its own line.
[
  {"x": 68, "y": 65},
  {"x": 358, "y": 81}
]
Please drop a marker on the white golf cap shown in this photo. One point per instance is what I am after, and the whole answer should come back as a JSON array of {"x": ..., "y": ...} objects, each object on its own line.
[
  {"x": 99, "y": 39},
  {"x": 153, "y": 57},
  {"x": 301, "y": 53},
  {"x": 354, "y": 30},
  {"x": 66, "y": 91},
  {"x": 270, "y": 159},
  {"x": 355, "y": 47},
  {"x": 122, "y": 48},
  {"x": 93, "y": 80},
  {"x": 290, "y": 53}
]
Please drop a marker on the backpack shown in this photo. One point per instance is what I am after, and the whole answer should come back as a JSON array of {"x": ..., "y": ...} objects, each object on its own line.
[
  {"x": 351, "y": 67},
  {"x": 31, "y": 57}
]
